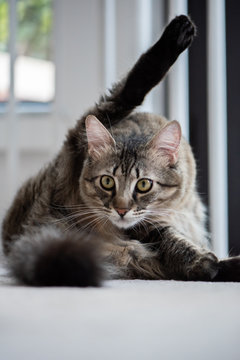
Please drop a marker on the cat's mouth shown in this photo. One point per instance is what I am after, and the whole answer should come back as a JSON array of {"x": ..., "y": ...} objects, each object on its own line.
[{"x": 123, "y": 222}]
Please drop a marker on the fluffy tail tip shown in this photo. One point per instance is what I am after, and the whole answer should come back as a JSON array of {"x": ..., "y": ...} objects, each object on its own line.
[{"x": 54, "y": 261}]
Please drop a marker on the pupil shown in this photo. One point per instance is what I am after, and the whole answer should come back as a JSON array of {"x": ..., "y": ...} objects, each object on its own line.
[{"x": 143, "y": 184}]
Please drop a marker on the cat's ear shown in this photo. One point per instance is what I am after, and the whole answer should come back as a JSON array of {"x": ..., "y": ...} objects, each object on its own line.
[
  {"x": 166, "y": 143},
  {"x": 99, "y": 138}
]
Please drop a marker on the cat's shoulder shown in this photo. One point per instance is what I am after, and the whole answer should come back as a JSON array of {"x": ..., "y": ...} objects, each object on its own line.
[
  {"x": 150, "y": 119},
  {"x": 142, "y": 122}
]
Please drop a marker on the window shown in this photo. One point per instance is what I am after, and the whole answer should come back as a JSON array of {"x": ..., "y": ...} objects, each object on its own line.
[
  {"x": 4, "y": 55},
  {"x": 26, "y": 43}
]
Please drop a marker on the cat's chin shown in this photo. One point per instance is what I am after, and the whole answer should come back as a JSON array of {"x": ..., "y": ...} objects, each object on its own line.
[{"x": 124, "y": 224}]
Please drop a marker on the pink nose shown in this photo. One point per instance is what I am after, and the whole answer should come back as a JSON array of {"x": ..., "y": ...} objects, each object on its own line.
[{"x": 121, "y": 212}]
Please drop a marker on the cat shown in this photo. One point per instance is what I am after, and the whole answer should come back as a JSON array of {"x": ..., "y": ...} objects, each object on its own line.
[{"x": 120, "y": 198}]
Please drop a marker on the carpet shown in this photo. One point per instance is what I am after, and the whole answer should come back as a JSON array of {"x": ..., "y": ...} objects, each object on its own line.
[{"x": 132, "y": 319}]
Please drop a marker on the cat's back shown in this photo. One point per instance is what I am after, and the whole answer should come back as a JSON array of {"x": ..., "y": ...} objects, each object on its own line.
[
  {"x": 141, "y": 127},
  {"x": 140, "y": 123}
]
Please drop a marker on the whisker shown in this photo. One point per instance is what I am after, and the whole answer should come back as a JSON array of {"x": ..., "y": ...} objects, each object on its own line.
[
  {"x": 101, "y": 222},
  {"x": 92, "y": 224},
  {"x": 79, "y": 222},
  {"x": 72, "y": 217}
]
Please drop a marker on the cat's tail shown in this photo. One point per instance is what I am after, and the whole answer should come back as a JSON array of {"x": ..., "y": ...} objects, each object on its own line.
[
  {"x": 148, "y": 71},
  {"x": 229, "y": 270},
  {"x": 47, "y": 257}
]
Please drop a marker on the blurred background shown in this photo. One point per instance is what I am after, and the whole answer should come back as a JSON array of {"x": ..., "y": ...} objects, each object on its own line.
[{"x": 58, "y": 56}]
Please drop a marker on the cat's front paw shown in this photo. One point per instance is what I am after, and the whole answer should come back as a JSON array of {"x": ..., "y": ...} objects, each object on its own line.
[
  {"x": 204, "y": 268},
  {"x": 180, "y": 33},
  {"x": 132, "y": 252}
]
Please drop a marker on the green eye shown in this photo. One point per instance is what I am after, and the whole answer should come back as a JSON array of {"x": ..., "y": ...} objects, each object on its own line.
[
  {"x": 107, "y": 182},
  {"x": 144, "y": 185}
]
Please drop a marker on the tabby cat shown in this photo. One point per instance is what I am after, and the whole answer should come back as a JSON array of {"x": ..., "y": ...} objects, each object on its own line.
[{"x": 120, "y": 198}]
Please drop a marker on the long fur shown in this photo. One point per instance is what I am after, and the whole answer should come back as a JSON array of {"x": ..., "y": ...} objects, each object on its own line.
[
  {"x": 48, "y": 233},
  {"x": 47, "y": 257}
]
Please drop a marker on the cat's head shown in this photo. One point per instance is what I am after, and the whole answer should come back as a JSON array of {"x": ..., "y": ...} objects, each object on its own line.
[{"x": 130, "y": 179}]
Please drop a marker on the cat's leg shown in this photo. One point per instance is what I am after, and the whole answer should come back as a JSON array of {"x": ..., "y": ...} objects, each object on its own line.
[
  {"x": 180, "y": 259},
  {"x": 131, "y": 260},
  {"x": 155, "y": 63},
  {"x": 229, "y": 269},
  {"x": 148, "y": 71}
]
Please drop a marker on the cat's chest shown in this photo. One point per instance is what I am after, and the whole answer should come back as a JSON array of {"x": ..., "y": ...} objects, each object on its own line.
[{"x": 187, "y": 224}]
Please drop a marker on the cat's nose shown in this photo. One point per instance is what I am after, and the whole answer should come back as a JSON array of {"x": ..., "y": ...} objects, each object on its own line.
[{"x": 121, "y": 212}]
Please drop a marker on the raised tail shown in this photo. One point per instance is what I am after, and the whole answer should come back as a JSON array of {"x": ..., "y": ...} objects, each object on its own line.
[
  {"x": 47, "y": 257},
  {"x": 148, "y": 71},
  {"x": 229, "y": 270},
  {"x": 127, "y": 94}
]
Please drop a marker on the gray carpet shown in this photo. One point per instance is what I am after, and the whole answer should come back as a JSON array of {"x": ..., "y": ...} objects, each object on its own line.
[{"x": 122, "y": 320}]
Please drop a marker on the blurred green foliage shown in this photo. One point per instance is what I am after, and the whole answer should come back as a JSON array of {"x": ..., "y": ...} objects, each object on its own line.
[
  {"x": 3, "y": 25},
  {"x": 33, "y": 28}
]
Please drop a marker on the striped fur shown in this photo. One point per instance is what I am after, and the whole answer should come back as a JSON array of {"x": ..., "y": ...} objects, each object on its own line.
[{"x": 65, "y": 228}]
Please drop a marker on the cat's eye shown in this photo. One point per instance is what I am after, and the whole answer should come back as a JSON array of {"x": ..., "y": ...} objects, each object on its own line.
[
  {"x": 144, "y": 185},
  {"x": 107, "y": 182}
]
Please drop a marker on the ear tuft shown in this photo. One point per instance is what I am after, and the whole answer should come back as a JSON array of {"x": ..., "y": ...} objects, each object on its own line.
[
  {"x": 167, "y": 141},
  {"x": 99, "y": 138}
]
